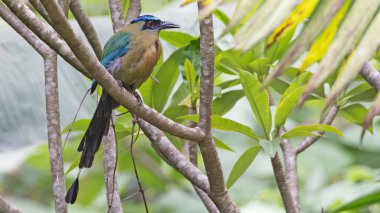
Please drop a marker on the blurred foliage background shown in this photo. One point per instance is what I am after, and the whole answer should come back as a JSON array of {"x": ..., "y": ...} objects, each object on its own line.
[{"x": 332, "y": 172}]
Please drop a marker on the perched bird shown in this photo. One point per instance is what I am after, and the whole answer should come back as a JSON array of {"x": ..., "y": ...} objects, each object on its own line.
[{"x": 130, "y": 56}]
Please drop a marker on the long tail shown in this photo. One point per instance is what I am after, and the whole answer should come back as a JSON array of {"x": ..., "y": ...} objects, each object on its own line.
[{"x": 92, "y": 139}]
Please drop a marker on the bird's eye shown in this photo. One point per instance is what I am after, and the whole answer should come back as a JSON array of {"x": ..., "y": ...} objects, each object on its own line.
[{"x": 152, "y": 24}]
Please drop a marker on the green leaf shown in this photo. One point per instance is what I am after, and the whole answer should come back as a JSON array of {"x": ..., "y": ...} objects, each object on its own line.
[
  {"x": 146, "y": 88},
  {"x": 225, "y": 124},
  {"x": 242, "y": 164},
  {"x": 223, "y": 104},
  {"x": 286, "y": 106},
  {"x": 219, "y": 143},
  {"x": 363, "y": 201},
  {"x": 363, "y": 92},
  {"x": 270, "y": 147},
  {"x": 167, "y": 76},
  {"x": 260, "y": 66},
  {"x": 301, "y": 131},
  {"x": 79, "y": 125},
  {"x": 258, "y": 99},
  {"x": 355, "y": 113},
  {"x": 190, "y": 76},
  {"x": 175, "y": 111},
  {"x": 180, "y": 95},
  {"x": 278, "y": 49},
  {"x": 73, "y": 165},
  {"x": 221, "y": 16},
  {"x": 177, "y": 39}
]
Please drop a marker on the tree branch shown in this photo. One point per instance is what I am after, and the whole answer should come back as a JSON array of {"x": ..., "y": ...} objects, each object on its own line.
[
  {"x": 173, "y": 157},
  {"x": 327, "y": 119},
  {"x": 5, "y": 206},
  {"x": 117, "y": 14},
  {"x": 40, "y": 9},
  {"x": 54, "y": 131},
  {"x": 218, "y": 191},
  {"x": 282, "y": 184},
  {"x": 371, "y": 75},
  {"x": 22, "y": 30},
  {"x": 110, "y": 165},
  {"x": 134, "y": 10},
  {"x": 87, "y": 27},
  {"x": 45, "y": 33}
]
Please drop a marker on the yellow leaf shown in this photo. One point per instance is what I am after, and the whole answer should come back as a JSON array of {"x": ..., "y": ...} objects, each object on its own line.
[
  {"x": 321, "y": 45},
  {"x": 301, "y": 12}
]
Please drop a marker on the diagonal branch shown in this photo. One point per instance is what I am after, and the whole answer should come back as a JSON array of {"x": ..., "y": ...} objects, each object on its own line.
[
  {"x": 117, "y": 14},
  {"x": 40, "y": 9},
  {"x": 105, "y": 79},
  {"x": 5, "y": 206},
  {"x": 86, "y": 26},
  {"x": 45, "y": 33},
  {"x": 371, "y": 75}
]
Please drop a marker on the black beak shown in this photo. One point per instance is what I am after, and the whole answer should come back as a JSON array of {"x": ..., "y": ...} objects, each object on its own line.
[{"x": 168, "y": 25}]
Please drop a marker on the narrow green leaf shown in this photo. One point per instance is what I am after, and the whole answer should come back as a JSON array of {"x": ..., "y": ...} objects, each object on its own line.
[
  {"x": 223, "y": 104},
  {"x": 295, "y": 132},
  {"x": 258, "y": 99},
  {"x": 73, "y": 165},
  {"x": 242, "y": 164},
  {"x": 146, "y": 88},
  {"x": 286, "y": 106},
  {"x": 363, "y": 201},
  {"x": 221, "y": 16},
  {"x": 219, "y": 143},
  {"x": 167, "y": 76},
  {"x": 180, "y": 95},
  {"x": 190, "y": 76},
  {"x": 177, "y": 39},
  {"x": 225, "y": 124},
  {"x": 79, "y": 125},
  {"x": 174, "y": 112},
  {"x": 260, "y": 66},
  {"x": 270, "y": 147}
]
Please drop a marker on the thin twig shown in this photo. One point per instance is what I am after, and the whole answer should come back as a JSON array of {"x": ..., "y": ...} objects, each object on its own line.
[
  {"x": 327, "y": 119},
  {"x": 86, "y": 26},
  {"x": 141, "y": 189},
  {"x": 5, "y": 206}
]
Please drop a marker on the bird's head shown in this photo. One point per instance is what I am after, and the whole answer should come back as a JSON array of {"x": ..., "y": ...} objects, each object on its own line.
[{"x": 152, "y": 23}]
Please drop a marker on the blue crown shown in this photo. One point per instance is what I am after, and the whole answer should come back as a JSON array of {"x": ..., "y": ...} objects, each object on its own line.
[{"x": 145, "y": 18}]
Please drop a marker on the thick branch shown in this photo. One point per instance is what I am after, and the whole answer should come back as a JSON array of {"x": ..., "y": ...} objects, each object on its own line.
[
  {"x": 173, "y": 157},
  {"x": 110, "y": 164},
  {"x": 134, "y": 10},
  {"x": 218, "y": 191},
  {"x": 5, "y": 206},
  {"x": 45, "y": 33},
  {"x": 22, "y": 30},
  {"x": 327, "y": 119},
  {"x": 105, "y": 79},
  {"x": 282, "y": 185},
  {"x": 54, "y": 132},
  {"x": 117, "y": 14},
  {"x": 371, "y": 75},
  {"x": 87, "y": 27},
  {"x": 40, "y": 9}
]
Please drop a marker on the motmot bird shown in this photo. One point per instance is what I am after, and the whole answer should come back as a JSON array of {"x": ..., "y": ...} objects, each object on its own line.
[{"x": 130, "y": 56}]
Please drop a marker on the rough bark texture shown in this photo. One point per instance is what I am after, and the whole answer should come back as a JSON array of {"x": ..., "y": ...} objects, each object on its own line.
[
  {"x": 87, "y": 27},
  {"x": 117, "y": 14},
  {"x": 218, "y": 192},
  {"x": 54, "y": 132},
  {"x": 7, "y": 207},
  {"x": 40, "y": 9},
  {"x": 134, "y": 10},
  {"x": 371, "y": 75},
  {"x": 110, "y": 164}
]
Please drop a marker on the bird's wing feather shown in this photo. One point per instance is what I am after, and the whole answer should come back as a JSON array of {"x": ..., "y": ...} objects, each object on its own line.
[{"x": 116, "y": 47}]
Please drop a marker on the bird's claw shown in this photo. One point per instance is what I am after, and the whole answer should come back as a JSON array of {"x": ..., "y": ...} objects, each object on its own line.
[{"x": 138, "y": 97}]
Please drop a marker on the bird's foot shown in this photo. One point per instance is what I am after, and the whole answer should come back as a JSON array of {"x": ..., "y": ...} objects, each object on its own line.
[
  {"x": 138, "y": 97},
  {"x": 120, "y": 83}
]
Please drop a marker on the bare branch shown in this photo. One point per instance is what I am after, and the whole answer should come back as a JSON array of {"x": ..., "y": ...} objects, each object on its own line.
[
  {"x": 117, "y": 14},
  {"x": 21, "y": 29},
  {"x": 54, "y": 131},
  {"x": 327, "y": 119},
  {"x": 218, "y": 192},
  {"x": 5, "y": 206},
  {"x": 64, "y": 6},
  {"x": 40, "y": 9},
  {"x": 371, "y": 75},
  {"x": 45, "y": 33},
  {"x": 134, "y": 10},
  {"x": 173, "y": 157},
  {"x": 291, "y": 175},
  {"x": 87, "y": 27},
  {"x": 110, "y": 165},
  {"x": 282, "y": 185}
]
